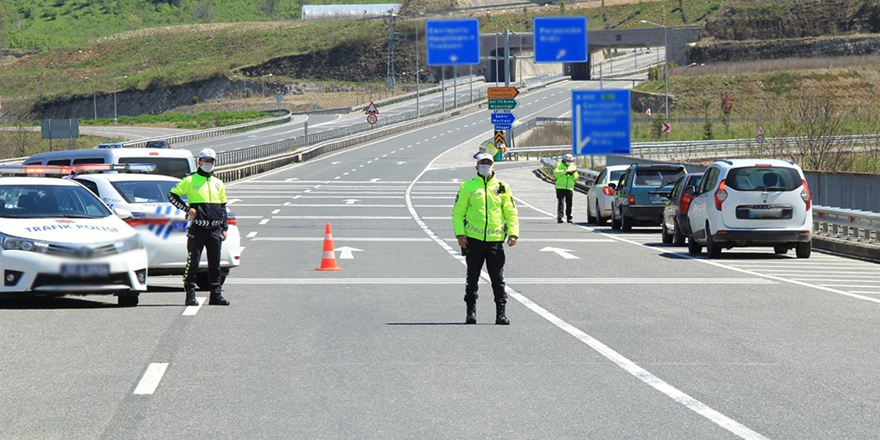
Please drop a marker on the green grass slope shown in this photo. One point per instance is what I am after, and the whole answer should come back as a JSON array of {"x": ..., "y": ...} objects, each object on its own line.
[{"x": 48, "y": 24}]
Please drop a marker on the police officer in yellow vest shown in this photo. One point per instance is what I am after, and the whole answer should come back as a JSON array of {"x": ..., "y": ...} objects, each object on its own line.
[
  {"x": 566, "y": 174},
  {"x": 208, "y": 225},
  {"x": 484, "y": 215}
]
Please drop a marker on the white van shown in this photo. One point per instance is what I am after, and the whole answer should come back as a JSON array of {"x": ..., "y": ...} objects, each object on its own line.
[{"x": 169, "y": 162}]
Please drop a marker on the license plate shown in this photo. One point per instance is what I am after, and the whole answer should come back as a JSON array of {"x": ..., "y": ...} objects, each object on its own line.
[
  {"x": 85, "y": 270},
  {"x": 773, "y": 213},
  {"x": 179, "y": 227},
  {"x": 658, "y": 198}
]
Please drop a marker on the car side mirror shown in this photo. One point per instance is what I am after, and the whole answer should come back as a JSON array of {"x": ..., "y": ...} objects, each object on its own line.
[
  {"x": 612, "y": 185},
  {"x": 690, "y": 190},
  {"x": 123, "y": 214}
]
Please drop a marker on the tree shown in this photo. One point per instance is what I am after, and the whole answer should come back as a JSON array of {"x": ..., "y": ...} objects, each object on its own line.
[
  {"x": 726, "y": 109},
  {"x": 707, "y": 126},
  {"x": 816, "y": 121}
]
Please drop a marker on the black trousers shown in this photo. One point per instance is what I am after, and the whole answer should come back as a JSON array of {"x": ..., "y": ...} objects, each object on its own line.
[
  {"x": 563, "y": 196},
  {"x": 211, "y": 240},
  {"x": 492, "y": 253}
]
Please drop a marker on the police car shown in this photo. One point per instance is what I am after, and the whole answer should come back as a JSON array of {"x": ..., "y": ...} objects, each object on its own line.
[
  {"x": 161, "y": 226},
  {"x": 57, "y": 238}
]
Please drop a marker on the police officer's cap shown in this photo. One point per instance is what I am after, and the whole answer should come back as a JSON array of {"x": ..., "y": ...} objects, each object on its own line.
[
  {"x": 208, "y": 153},
  {"x": 483, "y": 156}
]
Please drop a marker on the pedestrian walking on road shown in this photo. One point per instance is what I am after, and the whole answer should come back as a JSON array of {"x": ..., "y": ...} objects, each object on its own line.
[
  {"x": 484, "y": 216},
  {"x": 206, "y": 214},
  {"x": 566, "y": 174}
]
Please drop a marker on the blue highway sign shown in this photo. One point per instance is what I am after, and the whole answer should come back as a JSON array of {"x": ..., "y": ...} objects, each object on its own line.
[
  {"x": 560, "y": 39},
  {"x": 503, "y": 118},
  {"x": 503, "y": 127},
  {"x": 453, "y": 42},
  {"x": 601, "y": 122}
]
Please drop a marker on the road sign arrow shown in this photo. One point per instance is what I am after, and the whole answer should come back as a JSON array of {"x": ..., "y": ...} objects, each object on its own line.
[
  {"x": 345, "y": 252},
  {"x": 351, "y": 201},
  {"x": 564, "y": 253},
  {"x": 561, "y": 54}
]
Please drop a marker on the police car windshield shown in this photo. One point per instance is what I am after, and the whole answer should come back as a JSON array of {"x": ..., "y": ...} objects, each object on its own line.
[
  {"x": 145, "y": 191},
  {"x": 47, "y": 201}
]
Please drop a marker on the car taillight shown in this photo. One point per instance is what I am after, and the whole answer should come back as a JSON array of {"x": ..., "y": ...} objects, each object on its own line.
[
  {"x": 608, "y": 191},
  {"x": 685, "y": 204},
  {"x": 806, "y": 194},
  {"x": 230, "y": 221},
  {"x": 146, "y": 221},
  {"x": 632, "y": 199},
  {"x": 720, "y": 195}
]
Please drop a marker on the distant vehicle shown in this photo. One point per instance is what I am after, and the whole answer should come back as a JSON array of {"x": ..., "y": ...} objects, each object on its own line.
[
  {"x": 171, "y": 162},
  {"x": 110, "y": 145},
  {"x": 157, "y": 144},
  {"x": 675, "y": 226},
  {"x": 601, "y": 194},
  {"x": 57, "y": 238},
  {"x": 752, "y": 202},
  {"x": 161, "y": 226},
  {"x": 642, "y": 193}
]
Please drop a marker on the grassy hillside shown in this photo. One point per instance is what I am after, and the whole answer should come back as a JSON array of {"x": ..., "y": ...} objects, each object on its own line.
[{"x": 47, "y": 24}]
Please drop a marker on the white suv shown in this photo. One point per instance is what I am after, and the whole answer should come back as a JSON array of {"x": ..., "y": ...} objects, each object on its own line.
[{"x": 751, "y": 202}]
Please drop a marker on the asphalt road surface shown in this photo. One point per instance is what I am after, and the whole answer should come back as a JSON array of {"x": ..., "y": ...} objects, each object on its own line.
[{"x": 628, "y": 339}]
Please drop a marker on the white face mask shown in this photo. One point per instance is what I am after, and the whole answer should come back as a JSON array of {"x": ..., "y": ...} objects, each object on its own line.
[
  {"x": 207, "y": 167},
  {"x": 485, "y": 170}
]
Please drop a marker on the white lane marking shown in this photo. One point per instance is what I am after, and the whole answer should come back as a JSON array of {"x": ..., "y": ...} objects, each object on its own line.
[
  {"x": 252, "y": 234},
  {"x": 276, "y": 211},
  {"x": 384, "y": 155},
  {"x": 564, "y": 253},
  {"x": 337, "y": 177},
  {"x": 150, "y": 381},
  {"x": 345, "y": 174},
  {"x": 340, "y": 239},
  {"x": 312, "y": 205},
  {"x": 461, "y": 281},
  {"x": 286, "y": 204},
  {"x": 264, "y": 221},
  {"x": 340, "y": 217},
  {"x": 192, "y": 310},
  {"x": 627, "y": 365}
]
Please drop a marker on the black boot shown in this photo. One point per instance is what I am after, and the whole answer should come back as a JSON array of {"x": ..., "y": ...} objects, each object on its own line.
[
  {"x": 500, "y": 315},
  {"x": 218, "y": 300},
  {"x": 558, "y": 220},
  {"x": 471, "y": 314},
  {"x": 569, "y": 220},
  {"x": 191, "y": 298}
]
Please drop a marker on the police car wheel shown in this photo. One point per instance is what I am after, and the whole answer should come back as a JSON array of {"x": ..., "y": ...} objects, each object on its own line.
[{"x": 130, "y": 300}]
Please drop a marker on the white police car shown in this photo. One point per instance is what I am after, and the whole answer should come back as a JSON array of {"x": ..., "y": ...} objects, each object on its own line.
[
  {"x": 57, "y": 238},
  {"x": 161, "y": 226}
]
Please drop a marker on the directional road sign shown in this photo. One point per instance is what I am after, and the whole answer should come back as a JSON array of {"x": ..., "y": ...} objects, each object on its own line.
[
  {"x": 502, "y": 92},
  {"x": 601, "y": 122},
  {"x": 503, "y": 118},
  {"x": 453, "y": 42},
  {"x": 502, "y": 104},
  {"x": 560, "y": 39},
  {"x": 503, "y": 127},
  {"x": 666, "y": 127}
]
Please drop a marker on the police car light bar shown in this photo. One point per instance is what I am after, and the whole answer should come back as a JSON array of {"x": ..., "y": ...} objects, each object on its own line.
[
  {"x": 122, "y": 167},
  {"x": 24, "y": 170}
]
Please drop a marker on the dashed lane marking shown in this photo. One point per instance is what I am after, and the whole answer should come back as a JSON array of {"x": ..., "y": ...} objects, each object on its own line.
[
  {"x": 151, "y": 378},
  {"x": 192, "y": 310}
]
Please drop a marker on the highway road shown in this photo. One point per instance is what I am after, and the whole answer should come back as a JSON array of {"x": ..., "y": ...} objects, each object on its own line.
[{"x": 629, "y": 339}]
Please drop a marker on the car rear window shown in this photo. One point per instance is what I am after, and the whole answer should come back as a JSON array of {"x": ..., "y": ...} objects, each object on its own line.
[
  {"x": 657, "y": 177},
  {"x": 615, "y": 175},
  {"x": 763, "y": 179},
  {"x": 166, "y": 166},
  {"x": 145, "y": 191}
]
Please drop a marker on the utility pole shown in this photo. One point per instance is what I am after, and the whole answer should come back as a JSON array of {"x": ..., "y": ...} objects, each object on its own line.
[
  {"x": 506, "y": 58},
  {"x": 390, "y": 74},
  {"x": 418, "y": 94},
  {"x": 454, "y": 86},
  {"x": 496, "y": 59},
  {"x": 115, "y": 115}
]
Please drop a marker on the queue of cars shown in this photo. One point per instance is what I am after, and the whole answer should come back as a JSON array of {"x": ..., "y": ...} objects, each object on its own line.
[
  {"x": 98, "y": 221},
  {"x": 734, "y": 203}
]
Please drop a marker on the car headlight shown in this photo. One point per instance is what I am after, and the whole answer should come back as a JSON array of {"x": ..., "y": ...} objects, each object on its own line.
[
  {"x": 130, "y": 244},
  {"x": 11, "y": 243}
]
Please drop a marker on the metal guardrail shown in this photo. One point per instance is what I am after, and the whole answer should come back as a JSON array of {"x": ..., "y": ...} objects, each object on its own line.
[
  {"x": 213, "y": 132},
  {"x": 847, "y": 224}
]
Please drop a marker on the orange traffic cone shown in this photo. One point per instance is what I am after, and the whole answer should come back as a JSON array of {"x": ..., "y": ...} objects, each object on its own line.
[{"x": 328, "y": 260}]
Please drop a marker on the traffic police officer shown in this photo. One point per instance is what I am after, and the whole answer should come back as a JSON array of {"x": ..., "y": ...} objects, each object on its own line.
[
  {"x": 208, "y": 225},
  {"x": 566, "y": 175},
  {"x": 483, "y": 216}
]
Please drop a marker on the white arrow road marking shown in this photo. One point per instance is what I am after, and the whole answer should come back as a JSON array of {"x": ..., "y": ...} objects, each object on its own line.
[
  {"x": 232, "y": 201},
  {"x": 375, "y": 180},
  {"x": 351, "y": 201},
  {"x": 345, "y": 252},
  {"x": 564, "y": 253}
]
